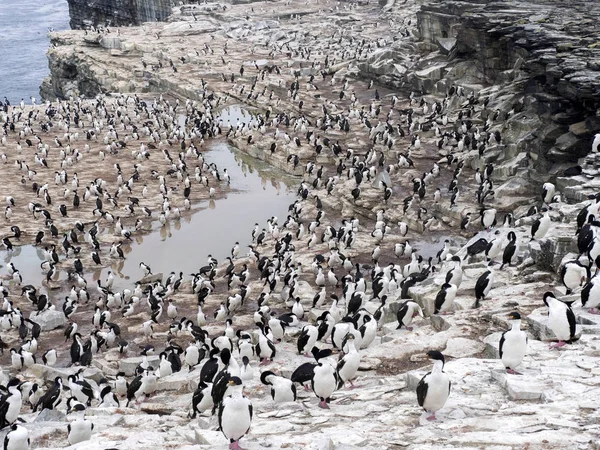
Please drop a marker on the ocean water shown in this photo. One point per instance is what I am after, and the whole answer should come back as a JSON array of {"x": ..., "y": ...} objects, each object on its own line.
[{"x": 24, "y": 40}]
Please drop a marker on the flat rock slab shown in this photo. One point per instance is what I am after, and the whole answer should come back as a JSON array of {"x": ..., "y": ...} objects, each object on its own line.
[
  {"x": 521, "y": 387},
  {"x": 182, "y": 380},
  {"x": 151, "y": 278},
  {"x": 50, "y": 373},
  {"x": 128, "y": 365},
  {"x": 462, "y": 347},
  {"x": 538, "y": 320}
]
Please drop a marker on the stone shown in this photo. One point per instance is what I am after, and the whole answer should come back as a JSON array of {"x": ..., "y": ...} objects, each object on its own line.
[
  {"x": 462, "y": 347},
  {"x": 49, "y": 319},
  {"x": 151, "y": 278},
  {"x": 446, "y": 45},
  {"x": 50, "y": 373},
  {"x": 180, "y": 381},
  {"x": 521, "y": 387},
  {"x": 50, "y": 415},
  {"x": 128, "y": 365}
]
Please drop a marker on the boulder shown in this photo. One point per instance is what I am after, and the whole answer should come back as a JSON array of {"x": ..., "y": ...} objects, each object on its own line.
[
  {"x": 128, "y": 365},
  {"x": 49, "y": 320},
  {"x": 462, "y": 347}
]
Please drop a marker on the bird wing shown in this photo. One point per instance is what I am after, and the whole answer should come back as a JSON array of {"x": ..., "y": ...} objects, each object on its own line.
[
  {"x": 302, "y": 340},
  {"x": 221, "y": 407},
  {"x": 481, "y": 283},
  {"x": 401, "y": 313},
  {"x": 422, "y": 390},
  {"x": 449, "y": 276},
  {"x": 133, "y": 387},
  {"x": 3, "y": 409},
  {"x": 571, "y": 319},
  {"x": 439, "y": 300},
  {"x": 340, "y": 365},
  {"x": 303, "y": 373},
  {"x": 501, "y": 347}
]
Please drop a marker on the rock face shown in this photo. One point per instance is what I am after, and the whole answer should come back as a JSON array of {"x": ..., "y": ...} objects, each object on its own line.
[
  {"x": 548, "y": 48},
  {"x": 117, "y": 12}
]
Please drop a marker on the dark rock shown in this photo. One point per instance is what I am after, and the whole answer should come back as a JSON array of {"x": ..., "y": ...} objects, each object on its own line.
[
  {"x": 85, "y": 13},
  {"x": 568, "y": 147}
]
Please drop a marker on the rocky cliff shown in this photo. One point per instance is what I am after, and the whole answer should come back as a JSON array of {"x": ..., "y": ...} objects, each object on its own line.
[
  {"x": 537, "y": 66},
  {"x": 549, "y": 49},
  {"x": 301, "y": 77},
  {"x": 536, "y": 63},
  {"x": 117, "y": 12}
]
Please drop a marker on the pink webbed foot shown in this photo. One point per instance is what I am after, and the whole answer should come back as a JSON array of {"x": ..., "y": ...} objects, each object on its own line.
[
  {"x": 432, "y": 417},
  {"x": 409, "y": 328},
  {"x": 264, "y": 362},
  {"x": 306, "y": 388},
  {"x": 593, "y": 311},
  {"x": 514, "y": 372},
  {"x": 235, "y": 445},
  {"x": 558, "y": 344},
  {"x": 323, "y": 404}
]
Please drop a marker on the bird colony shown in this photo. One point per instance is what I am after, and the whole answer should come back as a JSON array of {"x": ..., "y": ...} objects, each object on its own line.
[{"x": 403, "y": 302}]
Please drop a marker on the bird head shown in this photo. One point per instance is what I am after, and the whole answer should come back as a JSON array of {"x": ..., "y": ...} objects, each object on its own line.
[
  {"x": 235, "y": 381},
  {"x": 514, "y": 316},
  {"x": 436, "y": 356}
]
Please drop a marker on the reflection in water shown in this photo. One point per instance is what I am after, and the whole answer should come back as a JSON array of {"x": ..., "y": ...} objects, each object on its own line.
[{"x": 184, "y": 245}]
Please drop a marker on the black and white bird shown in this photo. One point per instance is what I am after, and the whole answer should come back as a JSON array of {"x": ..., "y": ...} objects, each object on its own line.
[
  {"x": 483, "y": 285},
  {"x": 10, "y": 403},
  {"x": 406, "y": 313},
  {"x": 52, "y": 398},
  {"x": 590, "y": 295},
  {"x": 282, "y": 389},
  {"x": 573, "y": 274},
  {"x": 513, "y": 344},
  {"x": 17, "y": 438},
  {"x": 455, "y": 275},
  {"x": 324, "y": 382},
  {"x": 548, "y": 191},
  {"x": 561, "y": 320},
  {"x": 265, "y": 349},
  {"x": 81, "y": 390},
  {"x": 235, "y": 414},
  {"x": 509, "y": 250},
  {"x": 201, "y": 399},
  {"x": 541, "y": 226},
  {"x": 488, "y": 218},
  {"x": 444, "y": 300},
  {"x": 347, "y": 366},
  {"x": 434, "y": 388},
  {"x": 80, "y": 429},
  {"x": 307, "y": 339},
  {"x": 146, "y": 269}
]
